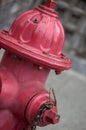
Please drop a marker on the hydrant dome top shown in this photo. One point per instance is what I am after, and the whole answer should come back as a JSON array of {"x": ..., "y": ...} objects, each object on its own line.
[
  {"x": 36, "y": 30},
  {"x": 39, "y": 36}
]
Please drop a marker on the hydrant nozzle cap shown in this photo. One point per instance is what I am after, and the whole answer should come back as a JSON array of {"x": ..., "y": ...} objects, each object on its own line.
[{"x": 51, "y": 116}]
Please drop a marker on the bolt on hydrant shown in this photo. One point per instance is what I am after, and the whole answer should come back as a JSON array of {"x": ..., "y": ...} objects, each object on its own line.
[{"x": 33, "y": 46}]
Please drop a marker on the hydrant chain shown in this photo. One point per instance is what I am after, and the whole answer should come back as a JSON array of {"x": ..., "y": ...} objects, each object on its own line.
[{"x": 52, "y": 93}]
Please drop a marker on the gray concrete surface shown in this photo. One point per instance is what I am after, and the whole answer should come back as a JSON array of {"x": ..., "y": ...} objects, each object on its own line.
[{"x": 70, "y": 89}]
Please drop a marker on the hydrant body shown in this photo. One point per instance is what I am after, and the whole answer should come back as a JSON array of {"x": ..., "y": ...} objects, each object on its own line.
[{"x": 33, "y": 46}]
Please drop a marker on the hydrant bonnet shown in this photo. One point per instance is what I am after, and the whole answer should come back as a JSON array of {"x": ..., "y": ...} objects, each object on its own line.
[{"x": 38, "y": 35}]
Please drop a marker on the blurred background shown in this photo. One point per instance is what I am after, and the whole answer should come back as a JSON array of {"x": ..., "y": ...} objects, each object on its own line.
[{"x": 70, "y": 86}]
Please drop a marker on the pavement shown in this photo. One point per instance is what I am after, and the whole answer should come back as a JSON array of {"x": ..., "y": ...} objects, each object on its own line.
[{"x": 70, "y": 89}]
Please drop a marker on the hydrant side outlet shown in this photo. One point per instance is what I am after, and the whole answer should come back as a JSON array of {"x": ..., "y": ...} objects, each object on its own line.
[{"x": 33, "y": 46}]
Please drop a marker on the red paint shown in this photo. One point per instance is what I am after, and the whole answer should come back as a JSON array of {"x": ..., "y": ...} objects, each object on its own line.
[{"x": 33, "y": 46}]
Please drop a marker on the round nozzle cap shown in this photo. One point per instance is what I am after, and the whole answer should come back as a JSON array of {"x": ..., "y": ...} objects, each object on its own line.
[{"x": 51, "y": 116}]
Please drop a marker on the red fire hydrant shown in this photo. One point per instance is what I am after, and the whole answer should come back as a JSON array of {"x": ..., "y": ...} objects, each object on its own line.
[{"x": 33, "y": 46}]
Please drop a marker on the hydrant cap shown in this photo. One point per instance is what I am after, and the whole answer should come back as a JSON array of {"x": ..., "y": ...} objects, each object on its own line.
[{"x": 39, "y": 36}]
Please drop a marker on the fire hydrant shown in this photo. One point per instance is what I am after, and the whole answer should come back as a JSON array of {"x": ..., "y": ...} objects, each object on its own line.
[{"x": 33, "y": 46}]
